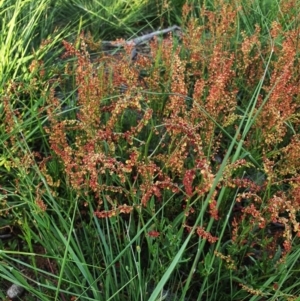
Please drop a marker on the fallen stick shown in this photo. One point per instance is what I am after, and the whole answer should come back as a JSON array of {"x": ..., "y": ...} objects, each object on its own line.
[
  {"x": 149, "y": 36},
  {"x": 142, "y": 39}
]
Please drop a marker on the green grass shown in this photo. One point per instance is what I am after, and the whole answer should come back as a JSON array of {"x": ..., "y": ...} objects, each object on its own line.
[{"x": 58, "y": 248}]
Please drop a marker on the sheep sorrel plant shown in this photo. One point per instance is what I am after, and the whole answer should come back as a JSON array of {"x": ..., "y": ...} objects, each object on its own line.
[
  {"x": 170, "y": 174},
  {"x": 179, "y": 122}
]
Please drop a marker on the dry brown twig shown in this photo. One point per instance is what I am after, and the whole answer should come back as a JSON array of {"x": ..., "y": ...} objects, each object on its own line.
[
  {"x": 140, "y": 40},
  {"x": 144, "y": 38}
]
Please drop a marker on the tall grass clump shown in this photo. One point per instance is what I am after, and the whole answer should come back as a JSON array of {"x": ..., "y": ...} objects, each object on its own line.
[{"x": 171, "y": 176}]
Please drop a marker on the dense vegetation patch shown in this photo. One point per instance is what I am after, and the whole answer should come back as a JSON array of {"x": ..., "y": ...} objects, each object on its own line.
[{"x": 144, "y": 171}]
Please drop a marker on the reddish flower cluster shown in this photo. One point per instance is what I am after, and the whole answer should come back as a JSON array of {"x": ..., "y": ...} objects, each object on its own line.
[
  {"x": 202, "y": 233},
  {"x": 153, "y": 234},
  {"x": 188, "y": 182}
]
